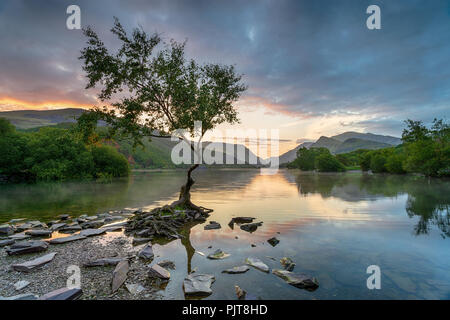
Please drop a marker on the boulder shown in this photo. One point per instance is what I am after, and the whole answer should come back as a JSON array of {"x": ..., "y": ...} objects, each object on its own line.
[
  {"x": 287, "y": 263},
  {"x": 251, "y": 227},
  {"x": 6, "y": 229},
  {"x": 75, "y": 237},
  {"x": 6, "y": 242},
  {"x": 301, "y": 281},
  {"x": 120, "y": 275},
  {"x": 212, "y": 225},
  {"x": 198, "y": 284},
  {"x": 156, "y": 271},
  {"x": 218, "y": 254},
  {"x": 39, "y": 233},
  {"x": 92, "y": 232},
  {"x": 146, "y": 252},
  {"x": 273, "y": 241},
  {"x": 19, "y": 285},
  {"x": 33, "y": 264},
  {"x": 256, "y": 263},
  {"x": 104, "y": 262},
  {"x": 234, "y": 270},
  {"x": 23, "y": 247},
  {"x": 63, "y": 294}
]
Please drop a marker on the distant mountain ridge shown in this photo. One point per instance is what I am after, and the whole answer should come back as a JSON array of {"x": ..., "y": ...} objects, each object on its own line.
[
  {"x": 344, "y": 142},
  {"x": 27, "y": 119}
]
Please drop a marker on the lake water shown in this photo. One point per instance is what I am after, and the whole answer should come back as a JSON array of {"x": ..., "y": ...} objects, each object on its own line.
[{"x": 332, "y": 225}]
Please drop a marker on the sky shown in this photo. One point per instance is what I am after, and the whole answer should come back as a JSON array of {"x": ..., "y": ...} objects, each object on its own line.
[{"x": 312, "y": 68}]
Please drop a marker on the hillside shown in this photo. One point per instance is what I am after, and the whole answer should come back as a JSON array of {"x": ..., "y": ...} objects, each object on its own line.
[
  {"x": 26, "y": 119},
  {"x": 344, "y": 142}
]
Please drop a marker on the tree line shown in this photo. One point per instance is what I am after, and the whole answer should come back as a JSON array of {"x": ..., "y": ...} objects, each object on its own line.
[
  {"x": 424, "y": 150},
  {"x": 56, "y": 154}
]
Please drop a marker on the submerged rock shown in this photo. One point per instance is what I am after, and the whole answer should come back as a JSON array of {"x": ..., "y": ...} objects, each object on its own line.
[
  {"x": 167, "y": 264},
  {"x": 75, "y": 237},
  {"x": 104, "y": 262},
  {"x": 63, "y": 294},
  {"x": 243, "y": 295},
  {"x": 212, "y": 225},
  {"x": 273, "y": 241},
  {"x": 146, "y": 252},
  {"x": 19, "y": 285},
  {"x": 287, "y": 263},
  {"x": 218, "y": 254},
  {"x": 23, "y": 247},
  {"x": 159, "y": 272},
  {"x": 301, "y": 281},
  {"x": 256, "y": 263},
  {"x": 234, "y": 270},
  {"x": 198, "y": 284},
  {"x": 251, "y": 227},
  {"x": 33, "y": 264},
  {"x": 120, "y": 275}
]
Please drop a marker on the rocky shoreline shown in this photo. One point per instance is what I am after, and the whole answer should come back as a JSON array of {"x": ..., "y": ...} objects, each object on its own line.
[{"x": 114, "y": 256}]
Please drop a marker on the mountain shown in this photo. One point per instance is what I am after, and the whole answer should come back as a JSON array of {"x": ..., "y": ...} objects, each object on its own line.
[
  {"x": 344, "y": 142},
  {"x": 26, "y": 119}
]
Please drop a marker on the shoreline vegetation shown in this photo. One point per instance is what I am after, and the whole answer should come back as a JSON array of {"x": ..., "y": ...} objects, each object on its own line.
[{"x": 423, "y": 151}]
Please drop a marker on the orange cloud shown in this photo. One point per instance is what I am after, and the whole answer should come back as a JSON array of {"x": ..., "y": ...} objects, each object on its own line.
[{"x": 11, "y": 104}]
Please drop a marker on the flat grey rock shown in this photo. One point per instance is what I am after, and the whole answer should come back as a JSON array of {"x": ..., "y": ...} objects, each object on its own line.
[
  {"x": 39, "y": 233},
  {"x": 6, "y": 229},
  {"x": 19, "y": 236},
  {"x": 73, "y": 227},
  {"x": 120, "y": 275},
  {"x": 104, "y": 262},
  {"x": 212, "y": 225},
  {"x": 146, "y": 252},
  {"x": 198, "y": 284},
  {"x": 134, "y": 288},
  {"x": 75, "y": 237},
  {"x": 6, "y": 242},
  {"x": 19, "y": 285},
  {"x": 256, "y": 263},
  {"x": 95, "y": 224},
  {"x": 23, "y": 247},
  {"x": 92, "y": 232},
  {"x": 63, "y": 294},
  {"x": 33, "y": 264},
  {"x": 138, "y": 241},
  {"x": 218, "y": 254},
  {"x": 301, "y": 281},
  {"x": 23, "y": 226},
  {"x": 159, "y": 272},
  {"x": 234, "y": 270},
  {"x": 57, "y": 226}
]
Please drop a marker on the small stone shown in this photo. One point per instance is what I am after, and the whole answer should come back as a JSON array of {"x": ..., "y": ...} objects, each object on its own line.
[
  {"x": 57, "y": 226},
  {"x": 159, "y": 272},
  {"x": 235, "y": 270},
  {"x": 251, "y": 227},
  {"x": 138, "y": 241},
  {"x": 218, "y": 254},
  {"x": 273, "y": 241},
  {"x": 63, "y": 217},
  {"x": 287, "y": 263},
  {"x": 120, "y": 275},
  {"x": 212, "y": 225},
  {"x": 242, "y": 220},
  {"x": 256, "y": 263},
  {"x": 19, "y": 285},
  {"x": 253, "y": 245},
  {"x": 198, "y": 284},
  {"x": 104, "y": 262}
]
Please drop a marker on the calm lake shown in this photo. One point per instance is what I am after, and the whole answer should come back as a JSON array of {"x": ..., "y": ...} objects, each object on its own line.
[{"x": 332, "y": 225}]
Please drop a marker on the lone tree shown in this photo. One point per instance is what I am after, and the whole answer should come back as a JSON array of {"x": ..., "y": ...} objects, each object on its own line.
[{"x": 156, "y": 91}]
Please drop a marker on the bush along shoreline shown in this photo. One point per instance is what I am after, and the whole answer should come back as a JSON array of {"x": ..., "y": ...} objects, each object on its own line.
[
  {"x": 424, "y": 151},
  {"x": 55, "y": 154}
]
